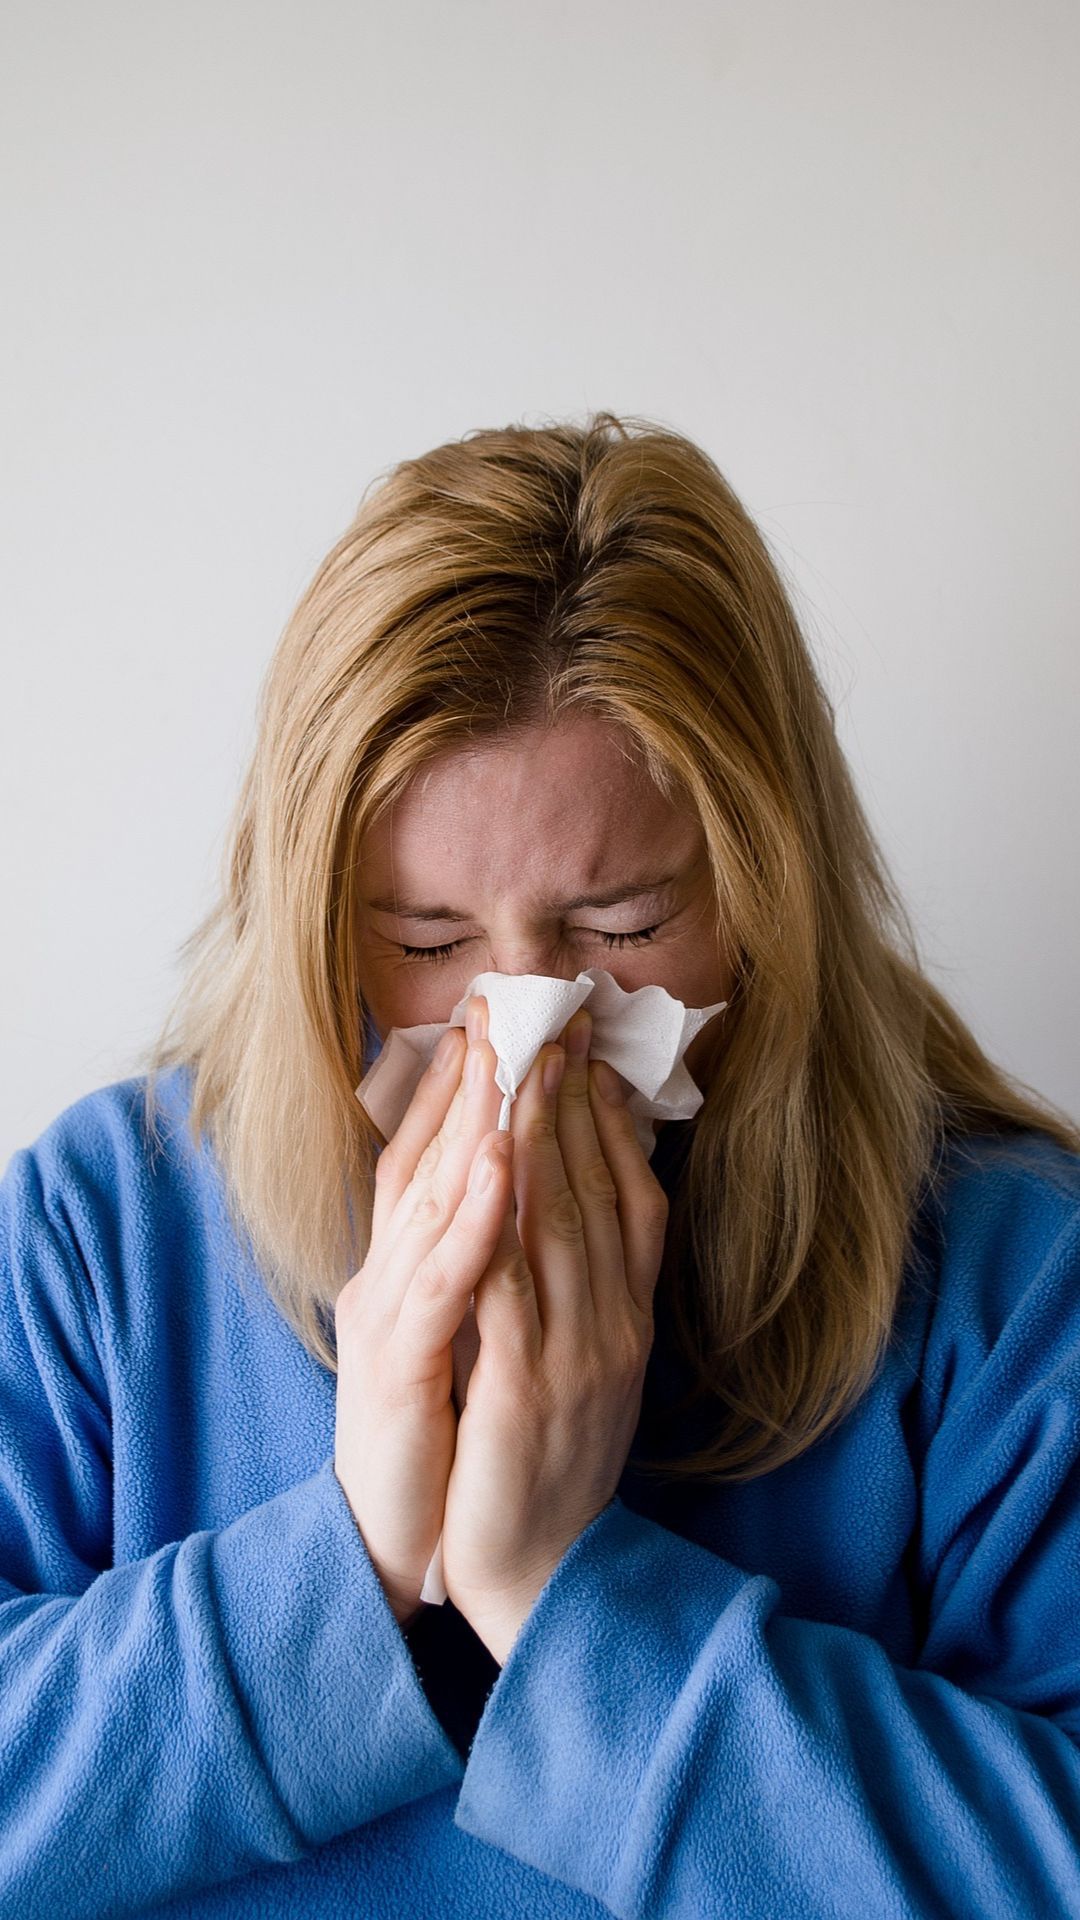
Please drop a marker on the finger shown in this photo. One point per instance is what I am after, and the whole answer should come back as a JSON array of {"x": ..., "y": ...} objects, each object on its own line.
[
  {"x": 507, "y": 1313},
  {"x": 642, "y": 1203},
  {"x": 550, "y": 1215},
  {"x": 419, "y": 1161},
  {"x": 589, "y": 1176},
  {"x": 437, "y": 1091},
  {"x": 449, "y": 1271}
]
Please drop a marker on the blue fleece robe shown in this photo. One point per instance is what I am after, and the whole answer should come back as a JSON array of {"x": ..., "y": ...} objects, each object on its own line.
[{"x": 850, "y": 1687}]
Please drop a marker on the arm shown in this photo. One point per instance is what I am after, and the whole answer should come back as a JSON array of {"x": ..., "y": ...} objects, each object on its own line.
[
  {"x": 664, "y": 1738},
  {"x": 232, "y": 1701}
]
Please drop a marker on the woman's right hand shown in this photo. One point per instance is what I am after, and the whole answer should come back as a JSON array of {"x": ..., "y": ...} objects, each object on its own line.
[{"x": 431, "y": 1240}]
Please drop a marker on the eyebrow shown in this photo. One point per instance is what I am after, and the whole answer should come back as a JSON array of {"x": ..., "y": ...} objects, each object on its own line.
[{"x": 611, "y": 897}]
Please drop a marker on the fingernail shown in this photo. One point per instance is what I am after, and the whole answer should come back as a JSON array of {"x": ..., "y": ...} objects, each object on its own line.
[
  {"x": 474, "y": 1069},
  {"x": 481, "y": 1174},
  {"x": 608, "y": 1083},
  {"x": 553, "y": 1071},
  {"x": 490, "y": 1161},
  {"x": 445, "y": 1050},
  {"x": 578, "y": 1034}
]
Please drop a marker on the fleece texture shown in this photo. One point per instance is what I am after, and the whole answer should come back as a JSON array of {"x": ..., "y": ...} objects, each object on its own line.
[{"x": 850, "y": 1687}]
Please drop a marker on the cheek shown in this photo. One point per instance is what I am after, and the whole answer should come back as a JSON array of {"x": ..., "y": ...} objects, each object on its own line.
[
  {"x": 706, "y": 969},
  {"x": 402, "y": 993}
]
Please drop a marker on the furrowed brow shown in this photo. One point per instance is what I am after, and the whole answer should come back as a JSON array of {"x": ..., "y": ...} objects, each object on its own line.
[{"x": 610, "y": 897}]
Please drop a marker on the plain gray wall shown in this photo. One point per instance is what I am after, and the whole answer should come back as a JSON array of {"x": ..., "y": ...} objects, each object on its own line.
[{"x": 254, "y": 253}]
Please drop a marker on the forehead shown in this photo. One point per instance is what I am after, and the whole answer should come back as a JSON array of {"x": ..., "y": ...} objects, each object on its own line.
[{"x": 539, "y": 813}]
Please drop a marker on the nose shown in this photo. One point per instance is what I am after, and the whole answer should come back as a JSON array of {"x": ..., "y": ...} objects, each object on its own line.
[
  {"x": 538, "y": 967},
  {"x": 528, "y": 951}
]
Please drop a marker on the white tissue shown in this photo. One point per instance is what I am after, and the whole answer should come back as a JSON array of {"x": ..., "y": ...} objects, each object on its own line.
[{"x": 643, "y": 1035}]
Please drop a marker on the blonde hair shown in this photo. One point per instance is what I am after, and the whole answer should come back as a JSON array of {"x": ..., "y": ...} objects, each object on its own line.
[{"x": 503, "y": 580}]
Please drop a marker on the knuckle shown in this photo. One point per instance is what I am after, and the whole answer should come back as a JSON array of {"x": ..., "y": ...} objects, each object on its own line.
[
  {"x": 515, "y": 1272},
  {"x": 655, "y": 1211},
  {"x": 591, "y": 1375},
  {"x": 387, "y": 1167},
  {"x": 574, "y": 1090},
  {"x": 598, "y": 1185},
  {"x": 435, "y": 1274},
  {"x": 564, "y": 1216},
  {"x": 429, "y": 1159},
  {"x": 540, "y": 1129},
  {"x": 430, "y": 1207},
  {"x": 630, "y": 1353}
]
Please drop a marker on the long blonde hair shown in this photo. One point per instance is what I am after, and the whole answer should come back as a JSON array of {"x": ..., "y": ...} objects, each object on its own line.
[{"x": 506, "y": 579}]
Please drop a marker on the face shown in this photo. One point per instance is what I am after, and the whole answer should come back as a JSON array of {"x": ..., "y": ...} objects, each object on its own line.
[{"x": 481, "y": 865}]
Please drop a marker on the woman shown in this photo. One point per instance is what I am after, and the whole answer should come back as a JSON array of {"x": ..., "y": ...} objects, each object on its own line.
[{"x": 761, "y": 1524}]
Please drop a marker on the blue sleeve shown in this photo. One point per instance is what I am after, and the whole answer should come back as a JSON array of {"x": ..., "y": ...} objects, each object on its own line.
[
  {"x": 663, "y": 1737},
  {"x": 230, "y": 1702}
]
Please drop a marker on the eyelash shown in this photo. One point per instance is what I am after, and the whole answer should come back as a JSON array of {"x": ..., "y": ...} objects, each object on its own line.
[{"x": 439, "y": 954}]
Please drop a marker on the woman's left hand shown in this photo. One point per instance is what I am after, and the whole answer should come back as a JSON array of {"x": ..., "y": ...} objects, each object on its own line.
[{"x": 564, "y": 1314}]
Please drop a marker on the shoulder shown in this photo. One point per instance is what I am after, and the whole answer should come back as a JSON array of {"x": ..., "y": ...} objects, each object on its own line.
[
  {"x": 105, "y": 1135},
  {"x": 1003, "y": 1215},
  {"x": 111, "y": 1221},
  {"x": 1003, "y": 1204},
  {"x": 97, "y": 1175},
  {"x": 978, "y": 1169}
]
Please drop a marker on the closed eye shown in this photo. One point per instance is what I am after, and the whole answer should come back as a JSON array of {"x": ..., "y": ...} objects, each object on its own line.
[{"x": 436, "y": 954}]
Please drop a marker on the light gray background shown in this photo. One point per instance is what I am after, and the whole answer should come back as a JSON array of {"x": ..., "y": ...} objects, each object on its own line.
[{"x": 254, "y": 253}]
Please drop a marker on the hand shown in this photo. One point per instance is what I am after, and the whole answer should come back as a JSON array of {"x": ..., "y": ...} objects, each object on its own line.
[
  {"x": 396, "y": 1319},
  {"x": 564, "y": 1313}
]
